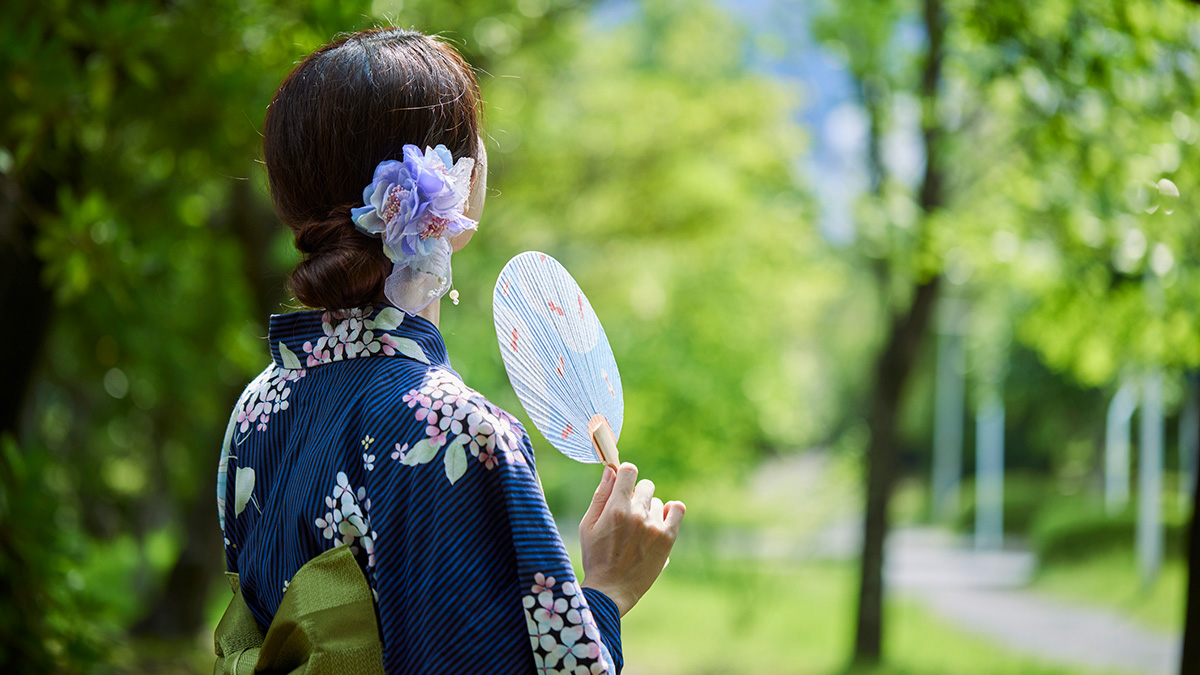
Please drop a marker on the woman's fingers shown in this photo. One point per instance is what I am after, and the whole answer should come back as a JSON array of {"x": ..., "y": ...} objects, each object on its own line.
[
  {"x": 658, "y": 512},
  {"x": 675, "y": 511},
  {"x": 642, "y": 495},
  {"x": 603, "y": 491},
  {"x": 626, "y": 478},
  {"x": 626, "y": 536}
]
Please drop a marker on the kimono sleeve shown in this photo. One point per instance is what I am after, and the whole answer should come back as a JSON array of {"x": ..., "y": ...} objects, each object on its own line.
[{"x": 468, "y": 568}]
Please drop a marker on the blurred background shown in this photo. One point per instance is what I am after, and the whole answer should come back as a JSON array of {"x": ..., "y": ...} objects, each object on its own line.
[{"x": 910, "y": 276}]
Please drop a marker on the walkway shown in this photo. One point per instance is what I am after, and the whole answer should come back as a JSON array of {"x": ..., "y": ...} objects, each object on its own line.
[{"x": 981, "y": 593}]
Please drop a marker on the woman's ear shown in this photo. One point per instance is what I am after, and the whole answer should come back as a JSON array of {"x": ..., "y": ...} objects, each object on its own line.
[
  {"x": 478, "y": 185},
  {"x": 475, "y": 199}
]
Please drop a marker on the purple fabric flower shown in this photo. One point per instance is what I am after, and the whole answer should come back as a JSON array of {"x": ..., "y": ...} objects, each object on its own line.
[
  {"x": 416, "y": 205},
  {"x": 415, "y": 202}
]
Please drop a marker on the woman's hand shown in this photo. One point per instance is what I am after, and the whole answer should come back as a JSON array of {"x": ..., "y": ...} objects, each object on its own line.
[{"x": 626, "y": 536}]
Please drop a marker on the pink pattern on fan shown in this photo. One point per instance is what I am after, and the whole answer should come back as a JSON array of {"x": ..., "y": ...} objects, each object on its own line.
[{"x": 556, "y": 354}]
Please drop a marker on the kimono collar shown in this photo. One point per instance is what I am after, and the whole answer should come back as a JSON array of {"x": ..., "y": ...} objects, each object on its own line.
[{"x": 305, "y": 339}]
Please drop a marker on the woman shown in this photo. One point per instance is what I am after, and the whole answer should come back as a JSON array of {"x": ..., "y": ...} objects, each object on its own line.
[{"x": 378, "y": 514}]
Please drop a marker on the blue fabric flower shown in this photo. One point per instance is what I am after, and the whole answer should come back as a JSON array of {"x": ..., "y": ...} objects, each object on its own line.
[{"x": 416, "y": 205}]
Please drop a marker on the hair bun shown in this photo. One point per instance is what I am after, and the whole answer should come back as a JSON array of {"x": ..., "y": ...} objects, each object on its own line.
[{"x": 342, "y": 268}]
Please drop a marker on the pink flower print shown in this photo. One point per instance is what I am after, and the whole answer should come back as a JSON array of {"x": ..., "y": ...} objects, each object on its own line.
[
  {"x": 485, "y": 428},
  {"x": 428, "y": 416},
  {"x": 399, "y": 451},
  {"x": 488, "y": 458},
  {"x": 317, "y": 354},
  {"x": 541, "y": 583},
  {"x": 388, "y": 344},
  {"x": 568, "y": 589},
  {"x": 436, "y": 436},
  {"x": 554, "y": 651}
]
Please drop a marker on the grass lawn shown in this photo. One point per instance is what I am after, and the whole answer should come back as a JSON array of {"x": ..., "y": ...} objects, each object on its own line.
[
  {"x": 1112, "y": 581},
  {"x": 730, "y": 617}
]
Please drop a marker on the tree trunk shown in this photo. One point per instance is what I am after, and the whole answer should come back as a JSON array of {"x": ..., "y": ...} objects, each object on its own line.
[
  {"x": 1190, "y": 660},
  {"x": 895, "y": 365},
  {"x": 25, "y": 296},
  {"x": 892, "y": 371}
]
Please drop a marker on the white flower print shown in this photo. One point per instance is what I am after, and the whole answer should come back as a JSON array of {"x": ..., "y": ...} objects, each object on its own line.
[
  {"x": 347, "y": 522},
  {"x": 266, "y": 395},
  {"x": 328, "y": 523},
  {"x": 562, "y": 631},
  {"x": 368, "y": 462},
  {"x": 350, "y": 334}
]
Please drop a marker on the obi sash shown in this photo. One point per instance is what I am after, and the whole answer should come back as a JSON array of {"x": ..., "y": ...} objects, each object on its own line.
[{"x": 325, "y": 625}]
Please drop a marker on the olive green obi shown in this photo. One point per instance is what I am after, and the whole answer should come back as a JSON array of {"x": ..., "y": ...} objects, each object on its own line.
[{"x": 325, "y": 625}]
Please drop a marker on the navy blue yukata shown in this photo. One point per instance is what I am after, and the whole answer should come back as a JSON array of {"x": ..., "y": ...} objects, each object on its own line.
[{"x": 360, "y": 434}]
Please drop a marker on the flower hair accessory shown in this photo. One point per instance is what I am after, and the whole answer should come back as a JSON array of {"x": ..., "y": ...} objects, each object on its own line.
[{"x": 416, "y": 205}]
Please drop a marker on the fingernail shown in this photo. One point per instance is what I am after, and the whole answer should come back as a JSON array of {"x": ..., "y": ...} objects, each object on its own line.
[{"x": 608, "y": 476}]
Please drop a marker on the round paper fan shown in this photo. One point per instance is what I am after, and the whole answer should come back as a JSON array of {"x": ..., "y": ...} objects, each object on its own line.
[{"x": 558, "y": 358}]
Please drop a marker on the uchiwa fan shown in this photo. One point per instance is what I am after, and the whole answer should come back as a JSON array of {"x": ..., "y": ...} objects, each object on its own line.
[{"x": 558, "y": 358}]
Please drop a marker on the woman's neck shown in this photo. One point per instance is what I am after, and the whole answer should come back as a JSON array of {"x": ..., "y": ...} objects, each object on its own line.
[{"x": 432, "y": 312}]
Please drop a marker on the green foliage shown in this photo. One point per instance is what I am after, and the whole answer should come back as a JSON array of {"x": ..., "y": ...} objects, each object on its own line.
[
  {"x": 43, "y": 620},
  {"x": 664, "y": 183},
  {"x": 649, "y": 159},
  {"x": 1078, "y": 529},
  {"x": 1083, "y": 113}
]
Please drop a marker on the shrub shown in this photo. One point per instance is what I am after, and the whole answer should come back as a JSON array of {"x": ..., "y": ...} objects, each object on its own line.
[{"x": 1077, "y": 529}]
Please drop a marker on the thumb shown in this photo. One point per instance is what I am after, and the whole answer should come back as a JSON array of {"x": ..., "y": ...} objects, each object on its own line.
[{"x": 599, "y": 499}]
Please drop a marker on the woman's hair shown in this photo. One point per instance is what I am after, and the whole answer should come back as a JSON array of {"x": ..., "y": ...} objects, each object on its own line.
[{"x": 347, "y": 107}]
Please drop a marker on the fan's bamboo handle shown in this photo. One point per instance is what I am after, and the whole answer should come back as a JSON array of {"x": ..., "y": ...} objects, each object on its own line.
[{"x": 603, "y": 441}]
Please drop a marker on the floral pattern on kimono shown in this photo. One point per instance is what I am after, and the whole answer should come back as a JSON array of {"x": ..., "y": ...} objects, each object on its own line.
[{"x": 360, "y": 434}]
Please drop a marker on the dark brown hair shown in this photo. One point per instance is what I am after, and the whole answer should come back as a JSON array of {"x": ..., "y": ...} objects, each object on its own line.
[{"x": 347, "y": 107}]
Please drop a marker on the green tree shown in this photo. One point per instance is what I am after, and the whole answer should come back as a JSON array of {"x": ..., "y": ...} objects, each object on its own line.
[
  {"x": 1056, "y": 137},
  {"x": 142, "y": 258},
  {"x": 902, "y": 253}
]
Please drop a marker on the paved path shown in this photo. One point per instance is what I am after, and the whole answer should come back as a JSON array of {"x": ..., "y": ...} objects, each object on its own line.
[{"x": 981, "y": 592}]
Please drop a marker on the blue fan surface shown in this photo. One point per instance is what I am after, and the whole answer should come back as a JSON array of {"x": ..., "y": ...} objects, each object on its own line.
[{"x": 556, "y": 353}]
